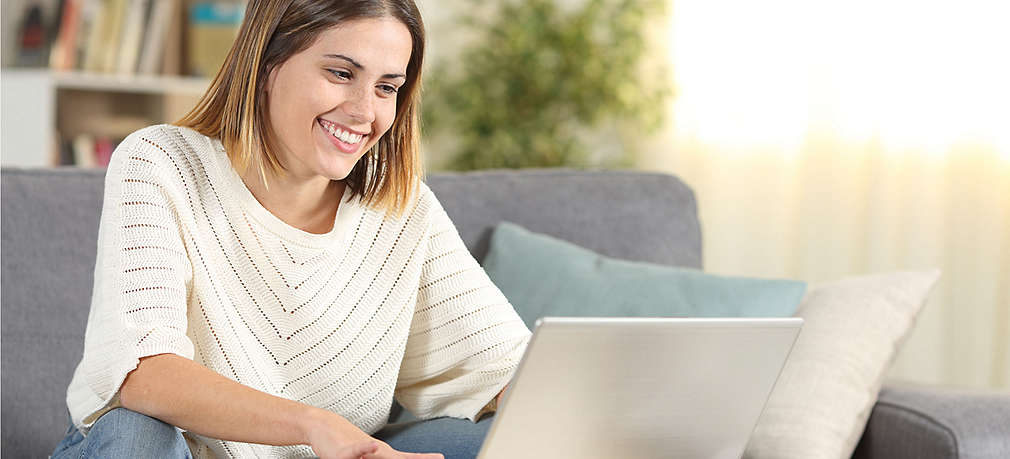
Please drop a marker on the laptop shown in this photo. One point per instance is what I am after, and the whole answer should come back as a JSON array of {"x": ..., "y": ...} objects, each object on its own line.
[{"x": 640, "y": 387}]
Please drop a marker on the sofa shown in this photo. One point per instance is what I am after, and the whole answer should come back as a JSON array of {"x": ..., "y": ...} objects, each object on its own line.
[{"x": 49, "y": 231}]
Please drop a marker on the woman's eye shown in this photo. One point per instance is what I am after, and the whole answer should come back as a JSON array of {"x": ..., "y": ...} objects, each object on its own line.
[
  {"x": 387, "y": 89},
  {"x": 341, "y": 74}
]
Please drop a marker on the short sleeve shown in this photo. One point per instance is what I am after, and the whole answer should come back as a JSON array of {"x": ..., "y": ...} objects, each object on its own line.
[
  {"x": 142, "y": 277},
  {"x": 466, "y": 339}
]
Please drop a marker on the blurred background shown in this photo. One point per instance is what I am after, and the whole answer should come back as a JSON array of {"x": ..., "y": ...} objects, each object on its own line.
[{"x": 823, "y": 139}]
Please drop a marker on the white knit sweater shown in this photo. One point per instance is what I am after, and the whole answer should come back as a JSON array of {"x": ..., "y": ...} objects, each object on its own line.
[{"x": 380, "y": 307}]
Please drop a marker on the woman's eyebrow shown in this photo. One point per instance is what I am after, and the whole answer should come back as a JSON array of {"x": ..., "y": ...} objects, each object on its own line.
[{"x": 361, "y": 67}]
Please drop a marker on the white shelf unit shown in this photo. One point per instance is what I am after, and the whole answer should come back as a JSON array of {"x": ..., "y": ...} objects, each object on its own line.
[
  {"x": 141, "y": 84},
  {"x": 41, "y": 107}
]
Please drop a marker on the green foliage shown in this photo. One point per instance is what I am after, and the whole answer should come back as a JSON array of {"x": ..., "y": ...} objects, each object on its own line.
[{"x": 538, "y": 78}]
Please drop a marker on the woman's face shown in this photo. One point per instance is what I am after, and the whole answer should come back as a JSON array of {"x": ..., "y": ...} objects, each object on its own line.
[{"x": 331, "y": 102}]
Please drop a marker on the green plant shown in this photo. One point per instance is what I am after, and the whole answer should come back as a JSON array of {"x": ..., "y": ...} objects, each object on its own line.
[{"x": 540, "y": 79}]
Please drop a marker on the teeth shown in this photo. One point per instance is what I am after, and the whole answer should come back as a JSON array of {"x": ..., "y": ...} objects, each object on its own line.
[{"x": 342, "y": 134}]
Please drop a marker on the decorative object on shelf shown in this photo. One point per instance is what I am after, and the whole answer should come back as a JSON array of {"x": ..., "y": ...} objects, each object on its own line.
[
  {"x": 541, "y": 82},
  {"x": 213, "y": 27},
  {"x": 31, "y": 37}
]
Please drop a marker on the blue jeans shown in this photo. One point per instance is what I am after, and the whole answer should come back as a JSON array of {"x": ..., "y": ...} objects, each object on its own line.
[
  {"x": 454, "y": 438},
  {"x": 122, "y": 433}
]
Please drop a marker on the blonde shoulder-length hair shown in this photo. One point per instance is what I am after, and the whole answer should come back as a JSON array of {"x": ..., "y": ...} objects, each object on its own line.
[{"x": 234, "y": 107}]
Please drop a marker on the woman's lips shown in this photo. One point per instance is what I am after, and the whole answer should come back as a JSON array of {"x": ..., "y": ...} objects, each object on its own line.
[{"x": 344, "y": 147}]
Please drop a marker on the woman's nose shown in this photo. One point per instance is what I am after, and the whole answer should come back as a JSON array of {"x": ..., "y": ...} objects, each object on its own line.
[{"x": 358, "y": 106}]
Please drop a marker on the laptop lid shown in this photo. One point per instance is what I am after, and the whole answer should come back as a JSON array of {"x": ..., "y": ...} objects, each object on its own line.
[{"x": 640, "y": 387}]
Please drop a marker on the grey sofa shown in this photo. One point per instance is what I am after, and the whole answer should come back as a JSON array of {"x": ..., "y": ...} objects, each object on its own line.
[{"x": 49, "y": 231}]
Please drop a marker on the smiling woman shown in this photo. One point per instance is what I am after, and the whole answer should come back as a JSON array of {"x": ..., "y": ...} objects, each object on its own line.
[
  {"x": 319, "y": 103},
  {"x": 272, "y": 272},
  {"x": 359, "y": 76},
  {"x": 326, "y": 110}
]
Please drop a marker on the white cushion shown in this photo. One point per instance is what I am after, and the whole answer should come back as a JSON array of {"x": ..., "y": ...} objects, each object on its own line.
[{"x": 853, "y": 329}]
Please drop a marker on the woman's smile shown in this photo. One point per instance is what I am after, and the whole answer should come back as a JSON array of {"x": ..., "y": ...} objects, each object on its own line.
[
  {"x": 345, "y": 139},
  {"x": 345, "y": 84}
]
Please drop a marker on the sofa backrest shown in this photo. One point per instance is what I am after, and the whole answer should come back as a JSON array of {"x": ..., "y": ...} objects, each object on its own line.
[
  {"x": 50, "y": 228},
  {"x": 625, "y": 214}
]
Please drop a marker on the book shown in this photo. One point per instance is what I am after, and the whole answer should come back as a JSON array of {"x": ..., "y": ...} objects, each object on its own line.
[
  {"x": 96, "y": 22},
  {"x": 66, "y": 153},
  {"x": 64, "y": 50},
  {"x": 113, "y": 32},
  {"x": 103, "y": 151},
  {"x": 171, "y": 54},
  {"x": 87, "y": 150},
  {"x": 85, "y": 17},
  {"x": 130, "y": 41},
  {"x": 84, "y": 150},
  {"x": 158, "y": 21}
]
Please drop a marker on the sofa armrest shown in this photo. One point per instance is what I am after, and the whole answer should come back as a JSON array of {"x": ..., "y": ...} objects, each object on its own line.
[{"x": 931, "y": 422}]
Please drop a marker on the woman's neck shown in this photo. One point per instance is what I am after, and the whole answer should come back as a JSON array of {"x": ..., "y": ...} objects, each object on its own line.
[{"x": 307, "y": 204}]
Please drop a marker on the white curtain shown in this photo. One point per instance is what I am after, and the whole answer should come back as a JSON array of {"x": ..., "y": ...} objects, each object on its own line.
[{"x": 828, "y": 138}]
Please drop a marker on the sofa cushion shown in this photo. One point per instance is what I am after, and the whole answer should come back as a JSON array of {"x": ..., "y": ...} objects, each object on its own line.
[
  {"x": 852, "y": 330},
  {"x": 545, "y": 276}
]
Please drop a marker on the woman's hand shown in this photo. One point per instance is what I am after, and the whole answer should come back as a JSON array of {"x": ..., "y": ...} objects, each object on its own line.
[
  {"x": 331, "y": 447},
  {"x": 353, "y": 451},
  {"x": 369, "y": 449},
  {"x": 497, "y": 399},
  {"x": 387, "y": 452},
  {"x": 333, "y": 437}
]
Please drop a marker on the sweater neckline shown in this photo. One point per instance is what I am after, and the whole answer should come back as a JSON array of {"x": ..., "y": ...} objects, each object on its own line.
[{"x": 347, "y": 212}]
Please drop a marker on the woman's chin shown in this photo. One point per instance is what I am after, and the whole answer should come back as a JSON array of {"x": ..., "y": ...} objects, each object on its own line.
[
  {"x": 334, "y": 167},
  {"x": 336, "y": 173}
]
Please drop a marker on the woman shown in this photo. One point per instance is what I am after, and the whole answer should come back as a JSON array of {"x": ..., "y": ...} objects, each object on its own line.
[{"x": 272, "y": 272}]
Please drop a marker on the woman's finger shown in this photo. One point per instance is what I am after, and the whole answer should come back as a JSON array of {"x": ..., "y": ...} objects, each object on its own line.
[
  {"x": 393, "y": 454},
  {"x": 360, "y": 449}
]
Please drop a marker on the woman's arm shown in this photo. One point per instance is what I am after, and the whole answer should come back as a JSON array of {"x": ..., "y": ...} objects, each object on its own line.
[
  {"x": 184, "y": 393},
  {"x": 457, "y": 303}
]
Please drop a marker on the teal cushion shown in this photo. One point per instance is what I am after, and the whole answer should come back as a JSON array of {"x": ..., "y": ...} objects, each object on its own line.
[{"x": 544, "y": 276}]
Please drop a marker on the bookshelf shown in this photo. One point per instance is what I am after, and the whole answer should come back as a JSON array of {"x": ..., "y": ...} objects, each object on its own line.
[
  {"x": 45, "y": 109},
  {"x": 139, "y": 84},
  {"x": 114, "y": 66}
]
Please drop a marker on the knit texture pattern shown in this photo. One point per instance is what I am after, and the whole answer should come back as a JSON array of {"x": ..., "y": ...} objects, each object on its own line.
[{"x": 382, "y": 306}]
